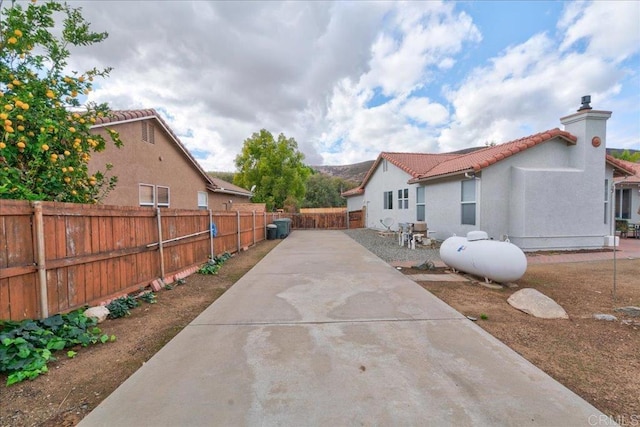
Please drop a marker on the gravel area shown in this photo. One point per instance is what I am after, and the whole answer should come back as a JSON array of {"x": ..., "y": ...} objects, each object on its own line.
[{"x": 388, "y": 249}]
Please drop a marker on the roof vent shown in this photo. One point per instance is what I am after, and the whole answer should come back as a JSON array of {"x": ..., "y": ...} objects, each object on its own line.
[{"x": 586, "y": 100}]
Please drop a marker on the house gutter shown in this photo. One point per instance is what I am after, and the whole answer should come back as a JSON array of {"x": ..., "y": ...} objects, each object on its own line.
[
  {"x": 227, "y": 191},
  {"x": 447, "y": 175}
]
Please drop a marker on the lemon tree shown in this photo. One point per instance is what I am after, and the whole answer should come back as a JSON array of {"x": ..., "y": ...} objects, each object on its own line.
[{"x": 45, "y": 138}]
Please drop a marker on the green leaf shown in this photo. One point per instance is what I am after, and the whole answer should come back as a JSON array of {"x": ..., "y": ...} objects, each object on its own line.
[
  {"x": 104, "y": 338},
  {"x": 71, "y": 354}
]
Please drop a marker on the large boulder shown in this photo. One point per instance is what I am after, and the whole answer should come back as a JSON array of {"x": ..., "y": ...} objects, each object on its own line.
[
  {"x": 100, "y": 312},
  {"x": 537, "y": 304}
]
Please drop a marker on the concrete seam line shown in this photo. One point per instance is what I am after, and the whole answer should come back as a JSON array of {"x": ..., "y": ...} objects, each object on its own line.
[{"x": 327, "y": 322}]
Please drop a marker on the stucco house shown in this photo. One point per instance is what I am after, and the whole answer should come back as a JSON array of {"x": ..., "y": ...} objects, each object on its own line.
[
  {"x": 155, "y": 169},
  {"x": 550, "y": 190},
  {"x": 627, "y": 199}
]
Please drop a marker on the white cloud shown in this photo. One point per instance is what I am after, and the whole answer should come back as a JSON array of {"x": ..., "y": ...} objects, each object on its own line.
[{"x": 350, "y": 79}]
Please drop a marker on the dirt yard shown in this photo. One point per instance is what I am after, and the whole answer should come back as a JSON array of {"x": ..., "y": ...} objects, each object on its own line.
[
  {"x": 73, "y": 387},
  {"x": 598, "y": 360}
]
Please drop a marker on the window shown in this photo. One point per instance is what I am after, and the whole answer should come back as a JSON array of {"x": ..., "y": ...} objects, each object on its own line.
[
  {"x": 606, "y": 200},
  {"x": 623, "y": 203},
  {"x": 146, "y": 194},
  {"x": 468, "y": 201},
  {"x": 162, "y": 194},
  {"x": 420, "y": 205},
  {"x": 203, "y": 200},
  {"x": 148, "y": 132},
  {"x": 151, "y": 195},
  {"x": 403, "y": 199},
  {"x": 385, "y": 165},
  {"x": 388, "y": 200}
]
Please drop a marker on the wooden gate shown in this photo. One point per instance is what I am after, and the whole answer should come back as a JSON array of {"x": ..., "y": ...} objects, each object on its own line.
[{"x": 356, "y": 219}]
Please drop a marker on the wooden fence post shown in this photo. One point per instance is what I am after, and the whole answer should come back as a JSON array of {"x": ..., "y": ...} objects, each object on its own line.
[
  {"x": 210, "y": 233},
  {"x": 254, "y": 227},
  {"x": 160, "y": 247},
  {"x": 41, "y": 259},
  {"x": 238, "y": 221},
  {"x": 264, "y": 224}
]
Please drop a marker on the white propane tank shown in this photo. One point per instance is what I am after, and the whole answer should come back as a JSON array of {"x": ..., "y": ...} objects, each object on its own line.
[{"x": 475, "y": 254}]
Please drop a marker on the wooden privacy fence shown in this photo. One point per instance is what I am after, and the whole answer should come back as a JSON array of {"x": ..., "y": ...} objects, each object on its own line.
[
  {"x": 55, "y": 257},
  {"x": 326, "y": 221}
]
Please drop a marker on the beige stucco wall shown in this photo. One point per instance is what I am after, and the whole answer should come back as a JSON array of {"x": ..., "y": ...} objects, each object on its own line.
[
  {"x": 161, "y": 163},
  {"x": 227, "y": 202}
]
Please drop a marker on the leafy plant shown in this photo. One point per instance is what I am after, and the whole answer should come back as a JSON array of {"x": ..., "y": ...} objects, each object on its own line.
[
  {"x": 148, "y": 297},
  {"x": 484, "y": 316},
  {"x": 27, "y": 347},
  {"x": 213, "y": 265},
  {"x": 120, "y": 307}
]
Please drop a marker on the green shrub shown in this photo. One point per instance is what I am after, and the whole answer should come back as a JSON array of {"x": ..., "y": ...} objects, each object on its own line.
[
  {"x": 120, "y": 307},
  {"x": 213, "y": 265},
  {"x": 27, "y": 347}
]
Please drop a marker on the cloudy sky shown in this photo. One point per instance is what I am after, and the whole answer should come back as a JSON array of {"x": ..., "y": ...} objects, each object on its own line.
[{"x": 350, "y": 79}]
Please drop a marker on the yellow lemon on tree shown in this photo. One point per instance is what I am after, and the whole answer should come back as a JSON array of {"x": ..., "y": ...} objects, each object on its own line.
[
  {"x": 8, "y": 107},
  {"x": 21, "y": 144},
  {"x": 50, "y": 94},
  {"x": 2, "y": 145},
  {"x": 67, "y": 153},
  {"x": 17, "y": 33},
  {"x": 67, "y": 179},
  {"x": 20, "y": 128},
  {"x": 45, "y": 147},
  {"x": 12, "y": 40},
  {"x": 54, "y": 157},
  {"x": 72, "y": 129}
]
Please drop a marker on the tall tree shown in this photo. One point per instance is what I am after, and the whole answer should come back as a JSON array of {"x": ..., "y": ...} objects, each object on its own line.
[
  {"x": 323, "y": 191},
  {"x": 45, "y": 139},
  {"x": 275, "y": 167}
]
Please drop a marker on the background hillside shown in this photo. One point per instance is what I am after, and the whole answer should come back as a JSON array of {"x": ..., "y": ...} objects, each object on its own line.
[{"x": 354, "y": 173}]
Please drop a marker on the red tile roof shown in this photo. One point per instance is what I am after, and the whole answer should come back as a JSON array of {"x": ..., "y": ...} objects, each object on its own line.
[
  {"x": 480, "y": 159},
  {"x": 124, "y": 116},
  {"x": 632, "y": 168},
  {"x": 422, "y": 167}
]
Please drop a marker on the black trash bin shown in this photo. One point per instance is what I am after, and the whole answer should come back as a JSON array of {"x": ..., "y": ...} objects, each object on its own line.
[{"x": 272, "y": 232}]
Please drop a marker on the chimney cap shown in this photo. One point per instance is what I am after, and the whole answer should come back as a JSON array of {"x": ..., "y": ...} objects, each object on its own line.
[{"x": 586, "y": 100}]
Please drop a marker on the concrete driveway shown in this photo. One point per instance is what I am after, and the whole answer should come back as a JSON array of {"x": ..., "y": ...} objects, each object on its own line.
[{"x": 323, "y": 333}]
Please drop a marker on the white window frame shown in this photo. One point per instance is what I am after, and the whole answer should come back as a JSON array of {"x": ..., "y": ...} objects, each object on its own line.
[
  {"x": 163, "y": 204},
  {"x": 403, "y": 198},
  {"x": 388, "y": 200},
  {"x": 153, "y": 195},
  {"x": 464, "y": 203},
  {"x": 385, "y": 165},
  {"x": 606, "y": 201},
  {"x": 619, "y": 203},
  {"x": 421, "y": 202},
  {"x": 203, "y": 195}
]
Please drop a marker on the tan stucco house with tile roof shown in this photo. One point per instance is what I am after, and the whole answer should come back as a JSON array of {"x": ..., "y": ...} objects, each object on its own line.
[
  {"x": 155, "y": 169},
  {"x": 550, "y": 190}
]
